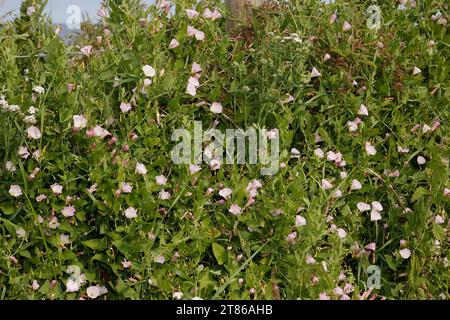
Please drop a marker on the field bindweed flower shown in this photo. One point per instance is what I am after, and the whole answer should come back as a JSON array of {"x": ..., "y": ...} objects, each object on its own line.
[
  {"x": 68, "y": 211},
  {"x": 173, "y": 44},
  {"x": 356, "y": 185},
  {"x": 216, "y": 107},
  {"x": 15, "y": 191},
  {"x": 405, "y": 253},
  {"x": 341, "y": 233},
  {"x": 326, "y": 184},
  {"x": 300, "y": 221},
  {"x": 225, "y": 193},
  {"x": 177, "y": 295},
  {"x": 149, "y": 71},
  {"x": 416, "y": 71},
  {"x": 370, "y": 149},
  {"x": 192, "y": 14},
  {"x": 39, "y": 89},
  {"x": 213, "y": 15},
  {"x": 86, "y": 50},
  {"x": 319, "y": 153},
  {"x": 164, "y": 195},
  {"x": 126, "y": 264},
  {"x": 126, "y": 187},
  {"x": 315, "y": 73},
  {"x": 215, "y": 164},
  {"x": 192, "y": 32},
  {"x": 161, "y": 180},
  {"x": 439, "y": 219},
  {"x": 56, "y": 189},
  {"x": 346, "y": 26},
  {"x": 33, "y": 133},
  {"x": 310, "y": 260},
  {"x": 131, "y": 213},
  {"x": 79, "y": 122},
  {"x": 93, "y": 292},
  {"x": 196, "y": 68},
  {"x": 362, "y": 206},
  {"x": 363, "y": 110},
  {"x": 421, "y": 160},
  {"x": 235, "y": 209},
  {"x": 31, "y": 10},
  {"x": 125, "y": 107},
  {"x": 141, "y": 169},
  {"x": 72, "y": 285},
  {"x": 10, "y": 167}
]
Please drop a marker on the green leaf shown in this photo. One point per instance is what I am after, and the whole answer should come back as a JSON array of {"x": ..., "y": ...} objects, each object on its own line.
[
  {"x": 220, "y": 253},
  {"x": 419, "y": 193},
  {"x": 96, "y": 244},
  {"x": 7, "y": 208}
]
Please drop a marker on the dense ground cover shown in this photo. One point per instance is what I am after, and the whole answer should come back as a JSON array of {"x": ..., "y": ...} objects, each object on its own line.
[{"x": 91, "y": 204}]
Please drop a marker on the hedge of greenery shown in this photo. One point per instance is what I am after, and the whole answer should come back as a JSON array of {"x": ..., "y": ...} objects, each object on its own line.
[{"x": 91, "y": 205}]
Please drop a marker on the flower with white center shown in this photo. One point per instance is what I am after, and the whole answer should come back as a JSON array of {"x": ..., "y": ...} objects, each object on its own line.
[
  {"x": 173, "y": 44},
  {"x": 363, "y": 110},
  {"x": 56, "y": 189},
  {"x": 79, "y": 122},
  {"x": 131, "y": 213},
  {"x": 126, "y": 264},
  {"x": 315, "y": 73},
  {"x": 10, "y": 167},
  {"x": 177, "y": 295},
  {"x": 225, "y": 193},
  {"x": 196, "y": 68},
  {"x": 149, "y": 71},
  {"x": 141, "y": 169},
  {"x": 100, "y": 132},
  {"x": 35, "y": 285},
  {"x": 214, "y": 164},
  {"x": 192, "y": 14},
  {"x": 439, "y": 219},
  {"x": 126, "y": 187},
  {"x": 356, "y": 185},
  {"x": 375, "y": 215},
  {"x": 39, "y": 89},
  {"x": 310, "y": 260},
  {"x": 416, "y": 71},
  {"x": 370, "y": 149},
  {"x": 331, "y": 156},
  {"x": 161, "y": 180},
  {"x": 193, "y": 168},
  {"x": 405, "y": 253},
  {"x": 346, "y": 26},
  {"x": 341, "y": 233},
  {"x": 63, "y": 239},
  {"x": 93, "y": 292},
  {"x": 41, "y": 197},
  {"x": 164, "y": 195},
  {"x": 319, "y": 153},
  {"x": 33, "y": 133},
  {"x": 86, "y": 50},
  {"x": 21, "y": 233},
  {"x": 426, "y": 128},
  {"x": 377, "y": 206},
  {"x": 326, "y": 184},
  {"x": 352, "y": 126},
  {"x": 291, "y": 237},
  {"x": 125, "y": 107},
  {"x": 159, "y": 259},
  {"x": 343, "y": 175},
  {"x": 72, "y": 285},
  {"x": 362, "y": 206},
  {"x": 421, "y": 160},
  {"x": 15, "y": 191},
  {"x": 68, "y": 211},
  {"x": 235, "y": 209},
  {"x": 337, "y": 194},
  {"x": 295, "y": 153},
  {"x": 300, "y": 221},
  {"x": 216, "y": 107}
]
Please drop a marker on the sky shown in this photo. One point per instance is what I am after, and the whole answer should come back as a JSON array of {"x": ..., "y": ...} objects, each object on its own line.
[{"x": 58, "y": 8}]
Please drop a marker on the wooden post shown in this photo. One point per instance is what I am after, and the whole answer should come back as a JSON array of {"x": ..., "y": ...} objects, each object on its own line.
[{"x": 240, "y": 11}]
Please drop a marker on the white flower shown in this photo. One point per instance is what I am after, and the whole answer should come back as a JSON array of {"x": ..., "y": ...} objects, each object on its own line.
[
  {"x": 33, "y": 133},
  {"x": 341, "y": 233},
  {"x": 370, "y": 149},
  {"x": 362, "y": 206},
  {"x": 192, "y": 14},
  {"x": 326, "y": 184},
  {"x": 31, "y": 10},
  {"x": 315, "y": 73},
  {"x": 126, "y": 187},
  {"x": 375, "y": 215},
  {"x": 68, "y": 211},
  {"x": 193, "y": 168},
  {"x": 131, "y": 213},
  {"x": 93, "y": 292},
  {"x": 35, "y": 285},
  {"x": 300, "y": 221},
  {"x": 164, "y": 195},
  {"x": 79, "y": 122},
  {"x": 356, "y": 185},
  {"x": 337, "y": 194},
  {"x": 416, "y": 71},
  {"x": 235, "y": 209},
  {"x": 15, "y": 191},
  {"x": 125, "y": 107},
  {"x": 149, "y": 71},
  {"x": 56, "y": 189},
  {"x": 21, "y": 232},
  {"x": 310, "y": 260},
  {"x": 405, "y": 253},
  {"x": 10, "y": 166},
  {"x": 177, "y": 295},
  {"x": 225, "y": 193},
  {"x": 161, "y": 180},
  {"x": 141, "y": 169},
  {"x": 196, "y": 68},
  {"x": 319, "y": 153},
  {"x": 346, "y": 26},
  {"x": 216, "y": 107},
  {"x": 295, "y": 153},
  {"x": 363, "y": 110},
  {"x": 421, "y": 160},
  {"x": 72, "y": 285},
  {"x": 39, "y": 89},
  {"x": 173, "y": 44},
  {"x": 343, "y": 175},
  {"x": 214, "y": 164},
  {"x": 439, "y": 219},
  {"x": 159, "y": 259},
  {"x": 377, "y": 206}
]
